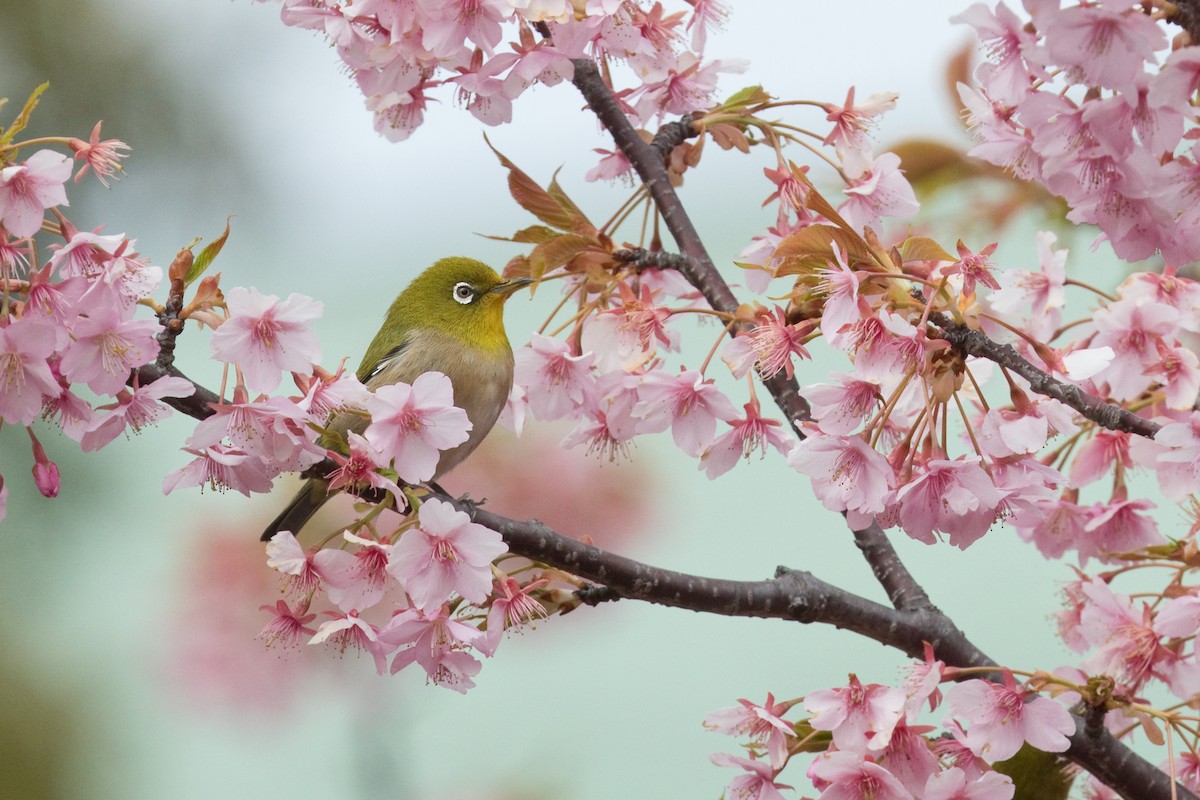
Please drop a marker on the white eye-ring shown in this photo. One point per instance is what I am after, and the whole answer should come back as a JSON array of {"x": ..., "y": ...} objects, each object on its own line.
[{"x": 464, "y": 293}]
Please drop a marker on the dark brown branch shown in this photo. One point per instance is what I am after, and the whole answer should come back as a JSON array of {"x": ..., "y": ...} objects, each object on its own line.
[
  {"x": 975, "y": 343},
  {"x": 791, "y": 594},
  {"x": 198, "y": 405},
  {"x": 654, "y": 259},
  {"x": 672, "y": 135},
  {"x": 903, "y": 591}
]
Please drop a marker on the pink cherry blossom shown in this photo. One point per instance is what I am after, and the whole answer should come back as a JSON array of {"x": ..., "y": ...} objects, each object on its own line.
[
  {"x": 45, "y": 472},
  {"x": 1177, "y": 461},
  {"x": 346, "y": 631},
  {"x": 973, "y": 267},
  {"x": 273, "y": 429},
  {"x": 768, "y": 346},
  {"x": 847, "y": 776},
  {"x": 558, "y": 384},
  {"x": 287, "y": 627},
  {"x": 921, "y": 684},
  {"x": 1104, "y": 451},
  {"x": 437, "y": 643},
  {"x": 356, "y": 580},
  {"x": 103, "y": 158},
  {"x": 445, "y": 554},
  {"x": 881, "y": 192},
  {"x": 1106, "y": 45},
  {"x": 135, "y": 410},
  {"x": 908, "y": 757},
  {"x": 841, "y": 408},
  {"x": 266, "y": 336},
  {"x": 1002, "y": 717},
  {"x": 627, "y": 336},
  {"x": 1007, "y": 43},
  {"x": 757, "y": 782},
  {"x": 850, "y": 126},
  {"x": 220, "y": 468},
  {"x": 29, "y": 188},
  {"x": 953, "y": 784},
  {"x": 686, "y": 403},
  {"x": 411, "y": 425},
  {"x": 860, "y": 717},
  {"x": 106, "y": 349},
  {"x": 753, "y": 432},
  {"x": 1132, "y": 330},
  {"x": 304, "y": 571},
  {"x": 513, "y": 606},
  {"x": 1037, "y": 296},
  {"x": 25, "y": 375},
  {"x": 1118, "y": 526},
  {"x": 847, "y": 475},
  {"x": 956, "y": 498},
  {"x": 1128, "y": 645},
  {"x": 763, "y": 724},
  {"x": 361, "y": 469},
  {"x": 843, "y": 307}
]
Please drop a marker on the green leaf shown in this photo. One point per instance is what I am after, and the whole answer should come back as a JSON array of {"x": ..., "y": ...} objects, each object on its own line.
[
  {"x": 23, "y": 118},
  {"x": 1037, "y": 775},
  {"x": 749, "y": 96},
  {"x": 922, "y": 248},
  {"x": 206, "y": 256}
]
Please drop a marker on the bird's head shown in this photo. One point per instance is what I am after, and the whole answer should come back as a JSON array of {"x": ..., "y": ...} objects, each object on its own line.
[{"x": 461, "y": 297}]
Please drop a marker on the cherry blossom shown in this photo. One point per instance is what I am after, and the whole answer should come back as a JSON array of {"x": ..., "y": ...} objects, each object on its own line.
[
  {"x": 25, "y": 376},
  {"x": 757, "y": 782},
  {"x": 860, "y": 717},
  {"x": 847, "y": 474},
  {"x": 762, "y": 723},
  {"x": 556, "y": 381},
  {"x": 1002, "y": 717},
  {"x": 446, "y": 553},
  {"x": 266, "y": 336},
  {"x": 686, "y": 403},
  {"x": 412, "y": 424},
  {"x": 28, "y": 189}
]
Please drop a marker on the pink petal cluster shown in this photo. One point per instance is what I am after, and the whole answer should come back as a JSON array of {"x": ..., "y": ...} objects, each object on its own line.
[
  {"x": 266, "y": 336},
  {"x": 412, "y": 424}
]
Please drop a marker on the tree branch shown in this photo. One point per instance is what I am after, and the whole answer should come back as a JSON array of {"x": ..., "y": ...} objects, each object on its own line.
[{"x": 976, "y": 343}]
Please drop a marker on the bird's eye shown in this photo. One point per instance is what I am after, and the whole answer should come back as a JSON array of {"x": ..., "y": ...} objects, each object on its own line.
[{"x": 464, "y": 293}]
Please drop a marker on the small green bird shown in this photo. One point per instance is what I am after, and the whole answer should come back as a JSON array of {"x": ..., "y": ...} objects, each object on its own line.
[{"x": 449, "y": 319}]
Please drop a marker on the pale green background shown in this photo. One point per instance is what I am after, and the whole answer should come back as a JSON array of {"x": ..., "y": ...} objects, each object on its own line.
[{"x": 229, "y": 112}]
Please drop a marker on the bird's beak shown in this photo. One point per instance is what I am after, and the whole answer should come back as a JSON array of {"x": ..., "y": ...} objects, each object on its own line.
[{"x": 508, "y": 287}]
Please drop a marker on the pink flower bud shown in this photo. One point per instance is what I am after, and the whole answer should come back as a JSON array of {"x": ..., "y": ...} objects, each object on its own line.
[
  {"x": 45, "y": 475},
  {"x": 45, "y": 471}
]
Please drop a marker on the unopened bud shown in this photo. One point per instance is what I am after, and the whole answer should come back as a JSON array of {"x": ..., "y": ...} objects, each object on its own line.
[{"x": 45, "y": 475}]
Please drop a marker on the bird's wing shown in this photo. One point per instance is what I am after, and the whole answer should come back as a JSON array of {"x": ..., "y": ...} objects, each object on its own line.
[{"x": 388, "y": 359}]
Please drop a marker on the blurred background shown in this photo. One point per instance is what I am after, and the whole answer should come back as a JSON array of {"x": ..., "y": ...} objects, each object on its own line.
[{"x": 129, "y": 667}]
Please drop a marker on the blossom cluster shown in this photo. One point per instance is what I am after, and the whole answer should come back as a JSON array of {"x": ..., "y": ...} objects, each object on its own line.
[
  {"x": 1089, "y": 100},
  {"x": 69, "y": 334},
  {"x": 871, "y": 741},
  {"x": 435, "y": 570},
  {"x": 489, "y": 53}
]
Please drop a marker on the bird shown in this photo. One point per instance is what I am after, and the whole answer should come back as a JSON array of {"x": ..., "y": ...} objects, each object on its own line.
[{"x": 450, "y": 319}]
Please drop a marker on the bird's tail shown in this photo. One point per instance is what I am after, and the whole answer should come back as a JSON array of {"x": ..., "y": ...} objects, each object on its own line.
[{"x": 312, "y": 496}]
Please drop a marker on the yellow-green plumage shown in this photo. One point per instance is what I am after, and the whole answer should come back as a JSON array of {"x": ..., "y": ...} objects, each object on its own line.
[{"x": 449, "y": 319}]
